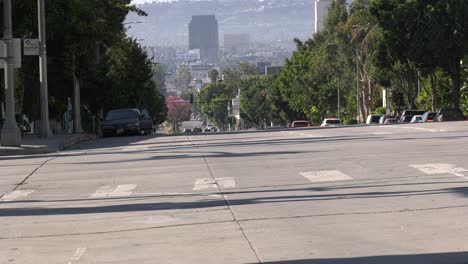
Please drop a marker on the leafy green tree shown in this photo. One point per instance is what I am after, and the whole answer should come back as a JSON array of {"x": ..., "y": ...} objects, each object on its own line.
[
  {"x": 213, "y": 74},
  {"x": 255, "y": 104},
  {"x": 429, "y": 32}
]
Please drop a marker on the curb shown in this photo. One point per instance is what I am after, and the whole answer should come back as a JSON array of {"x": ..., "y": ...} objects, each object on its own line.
[{"x": 62, "y": 143}]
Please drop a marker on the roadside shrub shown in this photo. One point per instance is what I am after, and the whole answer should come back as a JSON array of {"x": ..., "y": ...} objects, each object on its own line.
[
  {"x": 380, "y": 110},
  {"x": 351, "y": 121}
]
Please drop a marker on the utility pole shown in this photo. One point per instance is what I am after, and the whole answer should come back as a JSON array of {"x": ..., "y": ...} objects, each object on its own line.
[
  {"x": 45, "y": 127},
  {"x": 11, "y": 135},
  {"x": 357, "y": 88},
  {"x": 338, "y": 94}
]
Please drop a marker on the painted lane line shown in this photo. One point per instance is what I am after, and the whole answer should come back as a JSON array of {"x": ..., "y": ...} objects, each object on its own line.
[
  {"x": 325, "y": 176},
  {"x": 120, "y": 191},
  {"x": 440, "y": 168},
  {"x": 77, "y": 256},
  {"x": 207, "y": 183},
  {"x": 14, "y": 195}
]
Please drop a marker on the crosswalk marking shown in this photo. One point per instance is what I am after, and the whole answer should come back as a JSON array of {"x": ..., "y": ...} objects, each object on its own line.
[
  {"x": 440, "y": 168},
  {"x": 108, "y": 191},
  {"x": 209, "y": 183},
  {"x": 15, "y": 195},
  {"x": 77, "y": 256},
  {"x": 325, "y": 176}
]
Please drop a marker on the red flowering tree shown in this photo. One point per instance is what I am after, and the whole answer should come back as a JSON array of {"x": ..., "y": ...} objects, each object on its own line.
[{"x": 178, "y": 111}]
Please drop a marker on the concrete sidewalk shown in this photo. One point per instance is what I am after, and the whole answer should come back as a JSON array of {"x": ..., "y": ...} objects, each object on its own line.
[{"x": 31, "y": 144}]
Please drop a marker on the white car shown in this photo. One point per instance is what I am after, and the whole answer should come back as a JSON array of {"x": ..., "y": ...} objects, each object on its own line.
[
  {"x": 331, "y": 122},
  {"x": 416, "y": 119}
]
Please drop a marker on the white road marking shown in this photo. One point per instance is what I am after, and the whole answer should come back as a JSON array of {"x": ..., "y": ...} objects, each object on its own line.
[
  {"x": 123, "y": 190},
  {"x": 77, "y": 256},
  {"x": 15, "y": 195},
  {"x": 325, "y": 176},
  {"x": 433, "y": 130},
  {"x": 208, "y": 183},
  {"x": 380, "y": 133},
  {"x": 227, "y": 182},
  {"x": 203, "y": 184},
  {"x": 120, "y": 191},
  {"x": 440, "y": 168},
  {"x": 102, "y": 192}
]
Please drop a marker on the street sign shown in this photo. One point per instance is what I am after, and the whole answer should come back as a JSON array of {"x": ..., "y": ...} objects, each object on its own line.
[
  {"x": 31, "y": 47},
  {"x": 16, "y": 53}
]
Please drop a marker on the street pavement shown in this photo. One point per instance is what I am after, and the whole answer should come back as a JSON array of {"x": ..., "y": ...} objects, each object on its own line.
[{"x": 379, "y": 194}]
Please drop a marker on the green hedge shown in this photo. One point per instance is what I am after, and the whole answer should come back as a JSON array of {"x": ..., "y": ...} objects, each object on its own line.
[{"x": 351, "y": 121}]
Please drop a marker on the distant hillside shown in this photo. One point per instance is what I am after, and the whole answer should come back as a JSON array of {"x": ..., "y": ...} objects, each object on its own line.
[{"x": 265, "y": 20}]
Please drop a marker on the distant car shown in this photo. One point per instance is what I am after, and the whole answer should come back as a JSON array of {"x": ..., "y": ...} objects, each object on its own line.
[
  {"x": 408, "y": 115},
  {"x": 390, "y": 121},
  {"x": 416, "y": 119},
  {"x": 448, "y": 114},
  {"x": 300, "y": 123},
  {"x": 331, "y": 122},
  {"x": 187, "y": 130},
  {"x": 428, "y": 117},
  {"x": 373, "y": 119},
  {"x": 197, "y": 130},
  {"x": 122, "y": 121}
]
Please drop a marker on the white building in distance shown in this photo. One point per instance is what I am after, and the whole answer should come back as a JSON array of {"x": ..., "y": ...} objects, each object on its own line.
[{"x": 321, "y": 11}]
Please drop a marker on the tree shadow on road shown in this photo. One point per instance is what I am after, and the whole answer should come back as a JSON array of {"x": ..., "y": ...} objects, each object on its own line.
[{"x": 430, "y": 258}]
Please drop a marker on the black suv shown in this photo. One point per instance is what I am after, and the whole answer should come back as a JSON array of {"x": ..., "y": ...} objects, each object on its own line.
[{"x": 448, "y": 114}]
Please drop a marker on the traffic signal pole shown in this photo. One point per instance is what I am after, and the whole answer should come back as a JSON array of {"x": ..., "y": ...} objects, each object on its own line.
[
  {"x": 11, "y": 135},
  {"x": 45, "y": 127}
]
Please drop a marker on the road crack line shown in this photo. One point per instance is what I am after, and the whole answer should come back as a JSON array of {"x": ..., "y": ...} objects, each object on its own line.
[
  {"x": 226, "y": 200},
  {"x": 32, "y": 173}
]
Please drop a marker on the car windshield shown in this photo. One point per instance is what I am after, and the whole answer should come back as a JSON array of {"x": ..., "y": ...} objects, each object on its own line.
[
  {"x": 333, "y": 121},
  {"x": 300, "y": 124},
  {"x": 122, "y": 114},
  {"x": 375, "y": 119}
]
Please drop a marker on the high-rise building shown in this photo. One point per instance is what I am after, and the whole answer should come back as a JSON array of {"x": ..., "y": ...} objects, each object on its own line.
[
  {"x": 321, "y": 11},
  {"x": 203, "y": 35}
]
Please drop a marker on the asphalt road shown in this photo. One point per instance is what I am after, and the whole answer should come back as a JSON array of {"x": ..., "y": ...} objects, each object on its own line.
[{"x": 394, "y": 194}]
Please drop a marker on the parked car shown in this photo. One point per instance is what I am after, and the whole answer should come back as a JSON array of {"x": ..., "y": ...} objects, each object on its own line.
[
  {"x": 122, "y": 121},
  {"x": 300, "y": 123},
  {"x": 197, "y": 130},
  {"x": 408, "y": 115},
  {"x": 146, "y": 122},
  {"x": 447, "y": 114},
  {"x": 383, "y": 118},
  {"x": 428, "y": 117},
  {"x": 187, "y": 130},
  {"x": 390, "y": 121},
  {"x": 331, "y": 122},
  {"x": 373, "y": 119},
  {"x": 416, "y": 119}
]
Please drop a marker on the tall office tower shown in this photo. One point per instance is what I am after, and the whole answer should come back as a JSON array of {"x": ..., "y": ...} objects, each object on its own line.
[
  {"x": 321, "y": 11},
  {"x": 203, "y": 35}
]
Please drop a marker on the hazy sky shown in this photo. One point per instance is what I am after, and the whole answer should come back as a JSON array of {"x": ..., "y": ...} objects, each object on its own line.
[{"x": 149, "y": 1}]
